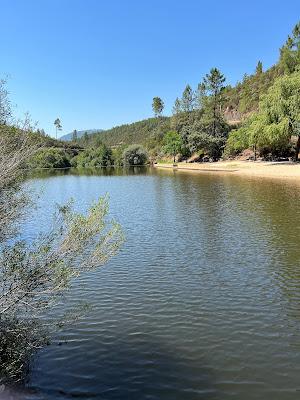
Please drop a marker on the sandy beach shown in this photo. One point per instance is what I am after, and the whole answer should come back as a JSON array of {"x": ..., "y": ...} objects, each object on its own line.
[{"x": 288, "y": 170}]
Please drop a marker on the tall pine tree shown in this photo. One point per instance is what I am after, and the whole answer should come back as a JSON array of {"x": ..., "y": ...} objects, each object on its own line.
[
  {"x": 187, "y": 101},
  {"x": 214, "y": 84}
]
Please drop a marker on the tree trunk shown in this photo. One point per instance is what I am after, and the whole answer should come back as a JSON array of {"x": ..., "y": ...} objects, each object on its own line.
[
  {"x": 297, "y": 149},
  {"x": 214, "y": 122}
]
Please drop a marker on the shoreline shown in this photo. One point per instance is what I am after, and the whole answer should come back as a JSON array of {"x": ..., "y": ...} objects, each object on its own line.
[{"x": 261, "y": 169}]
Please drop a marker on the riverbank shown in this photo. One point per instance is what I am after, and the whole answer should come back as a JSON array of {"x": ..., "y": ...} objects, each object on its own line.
[{"x": 281, "y": 170}]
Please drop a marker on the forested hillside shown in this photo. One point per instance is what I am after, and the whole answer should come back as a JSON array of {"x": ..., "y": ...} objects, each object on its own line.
[
  {"x": 205, "y": 116},
  {"x": 137, "y": 132}
]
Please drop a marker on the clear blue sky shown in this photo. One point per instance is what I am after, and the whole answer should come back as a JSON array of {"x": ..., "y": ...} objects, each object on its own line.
[{"x": 98, "y": 64}]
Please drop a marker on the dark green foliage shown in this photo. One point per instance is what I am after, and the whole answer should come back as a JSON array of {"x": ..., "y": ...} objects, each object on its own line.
[
  {"x": 91, "y": 158},
  {"x": 187, "y": 100},
  {"x": 135, "y": 155},
  {"x": 50, "y": 158},
  {"x": 204, "y": 129},
  {"x": 181, "y": 121},
  {"x": 206, "y": 120},
  {"x": 212, "y": 122},
  {"x": 172, "y": 143},
  {"x": 213, "y": 100},
  {"x": 205, "y": 144},
  {"x": 213, "y": 82},
  {"x": 201, "y": 142},
  {"x": 117, "y": 155}
]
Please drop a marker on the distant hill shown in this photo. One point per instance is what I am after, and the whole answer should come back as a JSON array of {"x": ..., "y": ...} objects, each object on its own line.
[
  {"x": 138, "y": 132},
  {"x": 68, "y": 136}
]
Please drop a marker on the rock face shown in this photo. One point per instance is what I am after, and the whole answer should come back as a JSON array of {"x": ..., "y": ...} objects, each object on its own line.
[
  {"x": 246, "y": 155},
  {"x": 194, "y": 158},
  {"x": 232, "y": 116}
]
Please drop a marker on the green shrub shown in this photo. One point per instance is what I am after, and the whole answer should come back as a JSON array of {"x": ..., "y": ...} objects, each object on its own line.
[
  {"x": 117, "y": 155},
  {"x": 50, "y": 158},
  {"x": 206, "y": 144},
  {"x": 135, "y": 155},
  {"x": 91, "y": 158},
  {"x": 238, "y": 140}
]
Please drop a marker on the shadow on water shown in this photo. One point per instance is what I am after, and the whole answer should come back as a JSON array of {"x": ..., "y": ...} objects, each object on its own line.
[
  {"x": 108, "y": 171},
  {"x": 134, "y": 367}
]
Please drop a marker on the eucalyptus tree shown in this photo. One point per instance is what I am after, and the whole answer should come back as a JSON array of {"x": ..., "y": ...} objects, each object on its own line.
[{"x": 157, "y": 106}]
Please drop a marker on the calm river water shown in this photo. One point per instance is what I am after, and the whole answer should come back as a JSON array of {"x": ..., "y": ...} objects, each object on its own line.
[{"x": 202, "y": 302}]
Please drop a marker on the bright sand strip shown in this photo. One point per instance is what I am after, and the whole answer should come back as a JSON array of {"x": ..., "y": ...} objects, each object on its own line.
[{"x": 281, "y": 170}]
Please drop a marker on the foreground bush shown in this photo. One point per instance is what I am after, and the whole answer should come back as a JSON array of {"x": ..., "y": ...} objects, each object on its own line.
[{"x": 35, "y": 275}]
